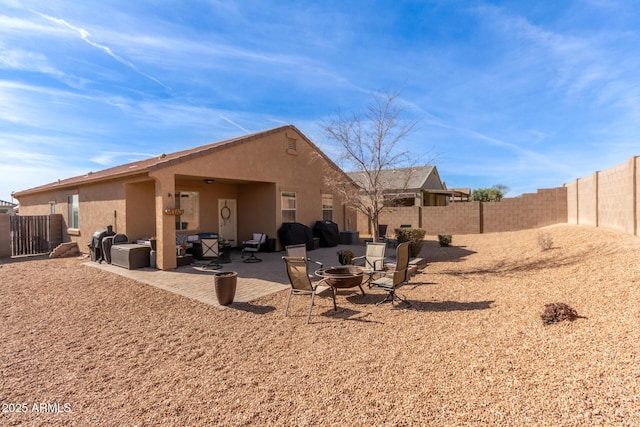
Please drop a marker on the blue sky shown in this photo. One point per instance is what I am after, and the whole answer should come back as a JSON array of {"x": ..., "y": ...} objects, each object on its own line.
[{"x": 526, "y": 94}]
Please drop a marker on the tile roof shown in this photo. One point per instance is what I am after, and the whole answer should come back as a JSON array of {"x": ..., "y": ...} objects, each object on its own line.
[
  {"x": 163, "y": 160},
  {"x": 415, "y": 178}
]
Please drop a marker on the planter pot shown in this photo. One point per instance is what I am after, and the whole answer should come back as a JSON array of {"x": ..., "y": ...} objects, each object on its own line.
[{"x": 225, "y": 283}]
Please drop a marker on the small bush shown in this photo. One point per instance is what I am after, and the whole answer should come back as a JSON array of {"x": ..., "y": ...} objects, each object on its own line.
[
  {"x": 545, "y": 241},
  {"x": 444, "y": 239},
  {"x": 345, "y": 256},
  {"x": 558, "y": 312},
  {"x": 415, "y": 237}
]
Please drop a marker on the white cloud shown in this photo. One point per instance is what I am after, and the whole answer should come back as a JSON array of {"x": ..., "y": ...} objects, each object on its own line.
[{"x": 84, "y": 35}]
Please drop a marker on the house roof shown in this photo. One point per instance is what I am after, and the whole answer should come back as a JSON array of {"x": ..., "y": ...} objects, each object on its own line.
[
  {"x": 405, "y": 179},
  {"x": 5, "y": 204},
  {"x": 161, "y": 161}
]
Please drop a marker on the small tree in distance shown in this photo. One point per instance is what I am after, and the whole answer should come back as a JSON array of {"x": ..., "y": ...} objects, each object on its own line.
[
  {"x": 369, "y": 143},
  {"x": 493, "y": 194}
]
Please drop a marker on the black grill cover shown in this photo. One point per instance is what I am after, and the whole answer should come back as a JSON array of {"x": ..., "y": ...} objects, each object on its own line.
[
  {"x": 95, "y": 245},
  {"x": 327, "y": 232},
  {"x": 294, "y": 233}
]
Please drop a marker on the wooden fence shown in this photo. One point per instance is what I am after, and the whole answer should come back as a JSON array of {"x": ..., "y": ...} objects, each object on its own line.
[{"x": 34, "y": 235}]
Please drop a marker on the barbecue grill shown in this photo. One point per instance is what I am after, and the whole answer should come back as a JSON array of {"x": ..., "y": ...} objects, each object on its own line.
[{"x": 95, "y": 245}]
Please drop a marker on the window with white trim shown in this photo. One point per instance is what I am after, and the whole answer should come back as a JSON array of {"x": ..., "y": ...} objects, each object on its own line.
[
  {"x": 288, "y": 203},
  {"x": 73, "y": 206},
  {"x": 327, "y": 207}
]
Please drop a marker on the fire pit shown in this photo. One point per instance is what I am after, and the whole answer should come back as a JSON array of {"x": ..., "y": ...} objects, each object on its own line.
[{"x": 346, "y": 276}]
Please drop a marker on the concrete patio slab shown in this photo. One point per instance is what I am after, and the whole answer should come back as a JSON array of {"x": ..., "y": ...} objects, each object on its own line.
[{"x": 255, "y": 280}]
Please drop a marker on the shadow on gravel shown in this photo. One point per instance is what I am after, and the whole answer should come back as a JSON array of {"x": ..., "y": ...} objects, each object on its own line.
[
  {"x": 507, "y": 267},
  {"x": 251, "y": 308},
  {"x": 449, "y": 305},
  {"x": 433, "y": 252}
]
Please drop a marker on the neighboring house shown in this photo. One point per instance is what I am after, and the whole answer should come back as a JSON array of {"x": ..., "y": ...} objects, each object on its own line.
[
  {"x": 234, "y": 188},
  {"x": 7, "y": 208},
  {"x": 460, "y": 195},
  {"x": 417, "y": 186}
]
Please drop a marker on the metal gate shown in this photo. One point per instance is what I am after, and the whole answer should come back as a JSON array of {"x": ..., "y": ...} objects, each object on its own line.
[{"x": 34, "y": 235}]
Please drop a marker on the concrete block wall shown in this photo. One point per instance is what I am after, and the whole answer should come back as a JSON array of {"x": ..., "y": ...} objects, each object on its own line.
[
  {"x": 572, "y": 202},
  {"x": 5, "y": 236},
  {"x": 609, "y": 198},
  {"x": 588, "y": 200},
  {"x": 616, "y": 198},
  {"x": 395, "y": 217},
  {"x": 531, "y": 210},
  {"x": 457, "y": 218}
]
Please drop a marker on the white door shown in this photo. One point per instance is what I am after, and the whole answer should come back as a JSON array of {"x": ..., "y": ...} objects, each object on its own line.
[{"x": 227, "y": 226}]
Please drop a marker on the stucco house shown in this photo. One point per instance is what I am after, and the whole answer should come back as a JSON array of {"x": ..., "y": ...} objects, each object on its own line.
[
  {"x": 234, "y": 188},
  {"x": 416, "y": 186},
  {"x": 7, "y": 208}
]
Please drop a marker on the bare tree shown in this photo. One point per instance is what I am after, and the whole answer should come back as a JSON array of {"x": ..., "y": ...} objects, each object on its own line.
[{"x": 368, "y": 144}]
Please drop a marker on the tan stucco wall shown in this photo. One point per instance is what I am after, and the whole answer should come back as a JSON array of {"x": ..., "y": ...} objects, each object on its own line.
[{"x": 140, "y": 210}]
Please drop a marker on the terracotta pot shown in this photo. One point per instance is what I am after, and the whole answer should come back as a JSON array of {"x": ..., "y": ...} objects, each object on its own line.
[{"x": 225, "y": 283}]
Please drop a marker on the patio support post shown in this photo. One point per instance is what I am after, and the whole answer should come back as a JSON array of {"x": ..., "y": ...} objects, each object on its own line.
[{"x": 165, "y": 224}]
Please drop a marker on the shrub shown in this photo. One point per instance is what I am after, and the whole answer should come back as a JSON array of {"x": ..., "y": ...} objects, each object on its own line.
[
  {"x": 345, "y": 256},
  {"x": 544, "y": 241},
  {"x": 558, "y": 312},
  {"x": 415, "y": 237},
  {"x": 444, "y": 239}
]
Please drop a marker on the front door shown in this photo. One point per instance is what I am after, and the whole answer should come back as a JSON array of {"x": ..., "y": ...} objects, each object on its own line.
[{"x": 227, "y": 226}]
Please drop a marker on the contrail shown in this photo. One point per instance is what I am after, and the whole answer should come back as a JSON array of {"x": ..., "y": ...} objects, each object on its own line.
[
  {"x": 235, "y": 124},
  {"x": 84, "y": 34}
]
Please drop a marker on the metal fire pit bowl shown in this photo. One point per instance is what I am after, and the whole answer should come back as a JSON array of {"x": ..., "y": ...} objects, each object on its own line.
[{"x": 342, "y": 277}]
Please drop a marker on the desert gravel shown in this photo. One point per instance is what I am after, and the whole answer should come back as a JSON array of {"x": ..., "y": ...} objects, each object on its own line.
[{"x": 472, "y": 349}]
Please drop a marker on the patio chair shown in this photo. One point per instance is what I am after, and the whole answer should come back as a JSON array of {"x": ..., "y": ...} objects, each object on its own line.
[
  {"x": 301, "y": 251},
  {"x": 300, "y": 282},
  {"x": 390, "y": 281},
  {"x": 382, "y": 233},
  {"x": 373, "y": 259},
  {"x": 211, "y": 251},
  {"x": 253, "y": 246}
]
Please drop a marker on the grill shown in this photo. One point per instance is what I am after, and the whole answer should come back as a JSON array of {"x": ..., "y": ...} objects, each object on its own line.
[{"x": 95, "y": 245}]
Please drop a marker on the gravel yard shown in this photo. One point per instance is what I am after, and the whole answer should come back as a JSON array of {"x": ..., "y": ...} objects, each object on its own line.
[{"x": 81, "y": 346}]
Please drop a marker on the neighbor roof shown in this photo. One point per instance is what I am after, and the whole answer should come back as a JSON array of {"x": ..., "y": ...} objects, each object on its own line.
[
  {"x": 162, "y": 160},
  {"x": 395, "y": 179}
]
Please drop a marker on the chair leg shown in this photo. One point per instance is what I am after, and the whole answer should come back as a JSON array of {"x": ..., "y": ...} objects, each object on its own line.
[
  {"x": 392, "y": 297},
  {"x": 310, "y": 307},
  {"x": 361, "y": 290},
  {"x": 335, "y": 307},
  {"x": 286, "y": 307},
  {"x": 252, "y": 258}
]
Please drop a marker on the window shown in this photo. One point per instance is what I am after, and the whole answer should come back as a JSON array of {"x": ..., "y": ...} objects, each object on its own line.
[
  {"x": 73, "y": 204},
  {"x": 288, "y": 207},
  {"x": 52, "y": 207},
  {"x": 189, "y": 202},
  {"x": 327, "y": 207}
]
